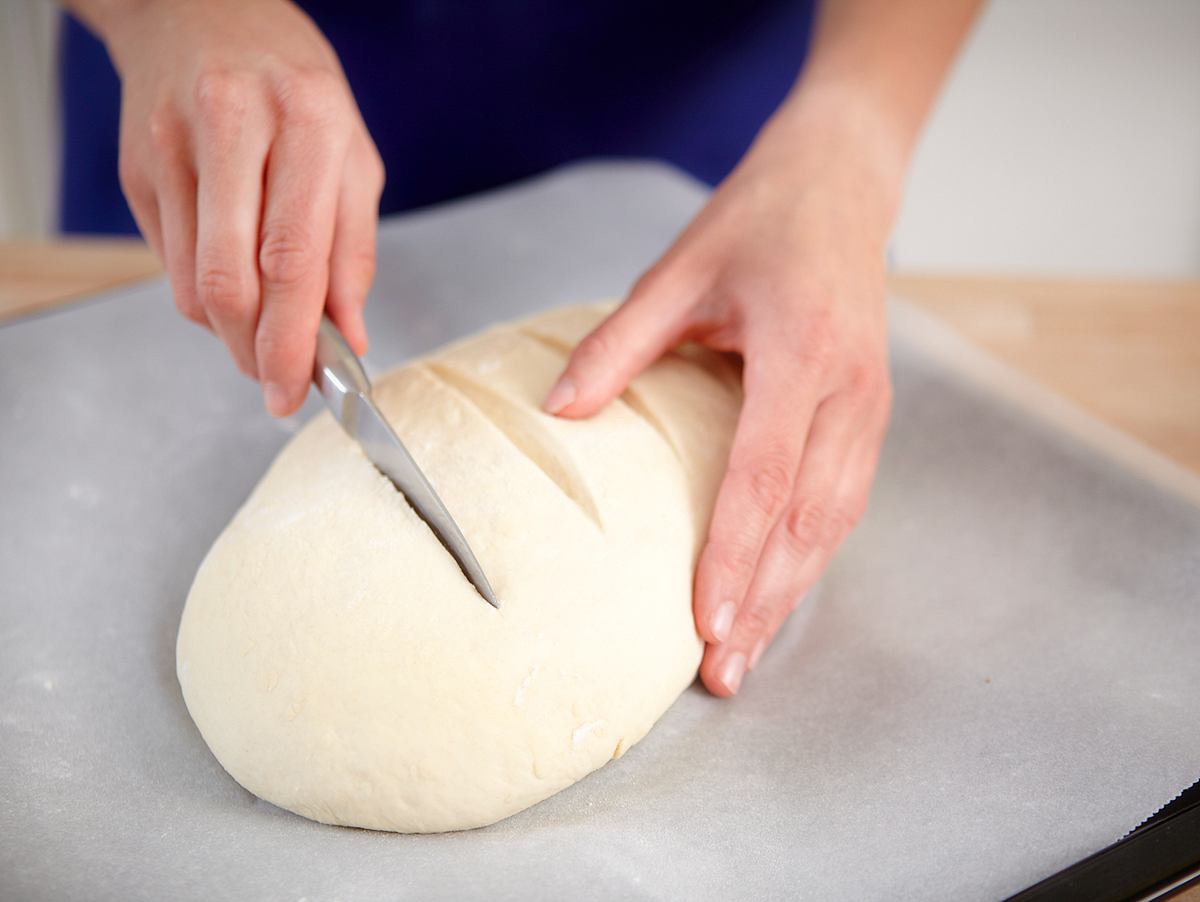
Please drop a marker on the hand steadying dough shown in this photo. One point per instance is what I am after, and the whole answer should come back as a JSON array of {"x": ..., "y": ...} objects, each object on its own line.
[{"x": 785, "y": 266}]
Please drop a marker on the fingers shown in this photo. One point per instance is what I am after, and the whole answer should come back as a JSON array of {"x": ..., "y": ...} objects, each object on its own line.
[
  {"x": 149, "y": 224},
  {"x": 828, "y": 499},
  {"x": 302, "y": 179},
  {"x": 352, "y": 263},
  {"x": 767, "y": 447},
  {"x": 138, "y": 188},
  {"x": 231, "y": 150},
  {"x": 175, "y": 186},
  {"x": 636, "y": 334}
]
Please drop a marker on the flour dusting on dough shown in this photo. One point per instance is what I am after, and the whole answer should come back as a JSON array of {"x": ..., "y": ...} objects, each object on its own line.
[
  {"x": 519, "y": 695},
  {"x": 584, "y": 730}
]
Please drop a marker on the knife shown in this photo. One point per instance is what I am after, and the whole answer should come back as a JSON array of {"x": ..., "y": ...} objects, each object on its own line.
[{"x": 342, "y": 381}]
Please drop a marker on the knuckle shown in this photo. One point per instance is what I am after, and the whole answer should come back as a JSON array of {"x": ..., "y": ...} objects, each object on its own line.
[
  {"x": 222, "y": 290},
  {"x": 357, "y": 268},
  {"x": 362, "y": 260},
  {"x": 189, "y": 307},
  {"x": 769, "y": 484},
  {"x": 734, "y": 558},
  {"x": 818, "y": 359},
  {"x": 868, "y": 379},
  {"x": 163, "y": 129},
  {"x": 820, "y": 342},
  {"x": 755, "y": 619},
  {"x": 285, "y": 257},
  {"x": 805, "y": 525},
  {"x": 363, "y": 263},
  {"x": 365, "y": 165},
  {"x": 861, "y": 377},
  {"x": 131, "y": 176},
  {"x": 309, "y": 94},
  {"x": 276, "y": 349},
  {"x": 218, "y": 93},
  {"x": 767, "y": 481},
  {"x": 734, "y": 293}
]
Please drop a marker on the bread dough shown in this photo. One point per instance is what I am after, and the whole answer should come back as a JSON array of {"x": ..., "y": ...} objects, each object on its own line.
[{"x": 337, "y": 662}]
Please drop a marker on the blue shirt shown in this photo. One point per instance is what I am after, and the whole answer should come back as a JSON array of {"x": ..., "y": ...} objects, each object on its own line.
[{"x": 460, "y": 97}]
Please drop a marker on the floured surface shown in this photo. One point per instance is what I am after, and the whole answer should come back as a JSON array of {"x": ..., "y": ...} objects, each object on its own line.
[
  {"x": 996, "y": 678},
  {"x": 338, "y": 663}
]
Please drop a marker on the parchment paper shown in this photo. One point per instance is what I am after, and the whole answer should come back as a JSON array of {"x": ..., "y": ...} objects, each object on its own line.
[{"x": 997, "y": 676}]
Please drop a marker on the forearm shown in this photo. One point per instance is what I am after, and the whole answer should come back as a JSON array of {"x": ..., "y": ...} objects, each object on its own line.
[
  {"x": 892, "y": 54},
  {"x": 103, "y": 16},
  {"x": 873, "y": 72}
]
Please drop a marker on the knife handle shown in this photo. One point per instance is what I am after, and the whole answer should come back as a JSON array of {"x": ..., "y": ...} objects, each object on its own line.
[{"x": 338, "y": 372}]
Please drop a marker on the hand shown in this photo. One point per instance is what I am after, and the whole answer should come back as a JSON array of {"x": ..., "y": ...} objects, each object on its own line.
[
  {"x": 250, "y": 172},
  {"x": 784, "y": 266}
]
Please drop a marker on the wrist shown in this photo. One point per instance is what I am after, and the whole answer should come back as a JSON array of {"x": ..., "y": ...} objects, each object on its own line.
[
  {"x": 875, "y": 135},
  {"x": 840, "y": 137}
]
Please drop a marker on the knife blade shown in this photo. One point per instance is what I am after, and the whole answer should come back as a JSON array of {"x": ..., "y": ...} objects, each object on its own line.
[{"x": 343, "y": 383}]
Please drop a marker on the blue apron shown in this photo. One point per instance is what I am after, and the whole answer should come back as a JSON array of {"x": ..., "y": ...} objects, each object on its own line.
[{"x": 461, "y": 97}]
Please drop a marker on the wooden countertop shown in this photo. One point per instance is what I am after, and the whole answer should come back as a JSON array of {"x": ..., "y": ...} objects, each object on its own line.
[
  {"x": 37, "y": 276},
  {"x": 1126, "y": 351}
]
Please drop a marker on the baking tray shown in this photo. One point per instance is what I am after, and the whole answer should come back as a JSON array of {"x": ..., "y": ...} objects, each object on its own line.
[{"x": 996, "y": 678}]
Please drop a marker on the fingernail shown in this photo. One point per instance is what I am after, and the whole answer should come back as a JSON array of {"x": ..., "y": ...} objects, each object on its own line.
[
  {"x": 759, "y": 647},
  {"x": 722, "y": 621},
  {"x": 733, "y": 670},
  {"x": 560, "y": 396},
  {"x": 276, "y": 398}
]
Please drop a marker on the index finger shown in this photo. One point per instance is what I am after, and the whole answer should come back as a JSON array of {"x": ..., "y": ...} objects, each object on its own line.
[
  {"x": 302, "y": 183},
  {"x": 231, "y": 149}
]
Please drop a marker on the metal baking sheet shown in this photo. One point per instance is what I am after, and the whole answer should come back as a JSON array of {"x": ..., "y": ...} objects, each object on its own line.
[{"x": 996, "y": 677}]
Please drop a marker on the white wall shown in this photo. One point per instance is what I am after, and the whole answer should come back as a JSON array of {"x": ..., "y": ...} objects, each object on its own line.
[
  {"x": 28, "y": 151},
  {"x": 1067, "y": 141}
]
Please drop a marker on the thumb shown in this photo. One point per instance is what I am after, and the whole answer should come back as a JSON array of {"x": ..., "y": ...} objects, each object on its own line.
[{"x": 631, "y": 338}]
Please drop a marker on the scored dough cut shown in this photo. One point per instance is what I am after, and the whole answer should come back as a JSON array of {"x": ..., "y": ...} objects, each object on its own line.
[{"x": 339, "y": 665}]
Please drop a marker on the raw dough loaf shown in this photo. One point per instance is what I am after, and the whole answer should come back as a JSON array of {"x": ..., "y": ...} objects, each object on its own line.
[{"x": 339, "y": 665}]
